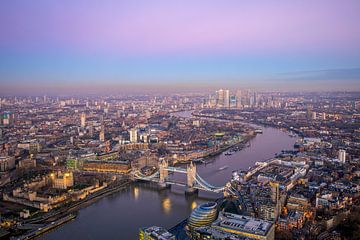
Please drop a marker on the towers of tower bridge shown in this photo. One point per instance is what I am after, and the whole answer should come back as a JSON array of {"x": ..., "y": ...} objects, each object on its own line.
[
  {"x": 191, "y": 175},
  {"x": 163, "y": 165}
]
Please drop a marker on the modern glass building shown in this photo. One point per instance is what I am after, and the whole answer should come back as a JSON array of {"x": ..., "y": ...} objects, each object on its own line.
[{"x": 203, "y": 215}]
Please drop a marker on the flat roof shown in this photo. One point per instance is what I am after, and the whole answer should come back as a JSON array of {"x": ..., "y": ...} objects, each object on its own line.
[{"x": 243, "y": 223}]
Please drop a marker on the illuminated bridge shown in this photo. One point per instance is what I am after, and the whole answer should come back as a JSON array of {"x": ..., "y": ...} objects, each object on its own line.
[{"x": 194, "y": 181}]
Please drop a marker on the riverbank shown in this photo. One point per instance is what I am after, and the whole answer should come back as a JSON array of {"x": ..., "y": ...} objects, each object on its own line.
[
  {"x": 255, "y": 122},
  {"x": 46, "y": 228},
  {"x": 240, "y": 144},
  {"x": 141, "y": 206},
  {"x": 61, "y": 216}
]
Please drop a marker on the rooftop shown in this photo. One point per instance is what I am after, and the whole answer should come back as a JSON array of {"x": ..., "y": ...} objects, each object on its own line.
[
  {"x": 158, "y": 232},
  {"x": 243, "y": 223}
]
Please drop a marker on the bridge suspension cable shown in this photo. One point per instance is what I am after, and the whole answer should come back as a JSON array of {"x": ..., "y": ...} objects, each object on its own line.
[
  {"x": 200, "y": 182},
  {"x": 206, "y": 185}
]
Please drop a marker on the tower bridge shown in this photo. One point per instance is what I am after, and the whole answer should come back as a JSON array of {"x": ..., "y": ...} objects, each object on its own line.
[{"x": 193, "y": 180}]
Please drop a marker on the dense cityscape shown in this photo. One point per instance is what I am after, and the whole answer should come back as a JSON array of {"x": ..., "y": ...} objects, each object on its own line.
[
  {"x": 61, "y": 154},
  {"x": 179, "y": 120}
]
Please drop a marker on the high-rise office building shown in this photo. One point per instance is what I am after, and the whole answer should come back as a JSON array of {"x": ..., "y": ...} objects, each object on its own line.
[
  {"x": 102, "y": 134},
  {"x": 275, "y": 197},
  {"x": 238, "y": 99},
  {"x": 323, "y": 116},
  {"x": 226, "y": 98},
  {"x": 91, "y": 131},
  {"x": 83, "y": 120},
  {"x": 212, "y": 101},
  {"x": 133, "y": 135},
  {"x": 246, "y": 98},
  {"x": 254, "y": 100},
  {"x": 220, "y": 98},
  {"x": 233, "y": 101},
  {"x": 342, "y": 155},
  {"x": 313, "y": 115},
  {"x": 223, "y": 98}
]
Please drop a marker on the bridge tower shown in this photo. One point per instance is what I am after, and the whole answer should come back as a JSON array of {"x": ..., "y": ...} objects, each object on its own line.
[
  {"x": 191, "y": 175},
  {"x": 163, "y": 172}
]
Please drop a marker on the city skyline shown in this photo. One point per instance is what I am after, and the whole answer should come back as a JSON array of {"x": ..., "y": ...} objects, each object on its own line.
[
  {"x": 180, "y": 120},
  {"x": 86, "y": 47}
]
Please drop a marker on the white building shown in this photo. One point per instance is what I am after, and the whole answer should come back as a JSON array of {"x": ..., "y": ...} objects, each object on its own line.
[
  {"x": 226, "y": 98},
  {"x": 83, "y": 120},
  {"x": 62, "y": 180},
  {"x": 133, "y": 135},
  {"x": 342, "y": 155}
]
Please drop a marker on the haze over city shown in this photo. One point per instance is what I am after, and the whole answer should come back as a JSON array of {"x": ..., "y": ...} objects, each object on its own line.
[
  {"x": 108, "y": 46},
  {"x": 180, "y": 120}
]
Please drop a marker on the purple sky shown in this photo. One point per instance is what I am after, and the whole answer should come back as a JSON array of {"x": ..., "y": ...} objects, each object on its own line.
[{"x": 48, "y": 43}]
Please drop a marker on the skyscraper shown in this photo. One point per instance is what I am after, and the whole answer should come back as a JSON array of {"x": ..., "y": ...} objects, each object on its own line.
[
  {"x": 275, "y": 197},
  {"x": 220, "y": 98},
  {"x": 232, "y": 101},
  {"x": 83, "y": 119},
  {"x": 227, "y": 98},
  {"x": 133, "y": 135},
  {"x": 102, "y": 134},
  {"x": 342, "y": 155},
  {"x": 223, "y": 98},
  {"x": 313, "y": 115},
  {"x": 238, "y": 99},
  {"x": 254, "y": 100}
]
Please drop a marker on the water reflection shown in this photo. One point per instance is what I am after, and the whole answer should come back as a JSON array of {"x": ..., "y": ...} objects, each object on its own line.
[
  {"x": 166, "y": 205},
  {"x": 142, "y": 204},
  {"x": 136, "y": 192}
]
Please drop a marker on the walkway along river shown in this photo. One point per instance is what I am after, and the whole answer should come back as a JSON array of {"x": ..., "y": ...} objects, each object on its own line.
[{"x": 120, "y": 215}]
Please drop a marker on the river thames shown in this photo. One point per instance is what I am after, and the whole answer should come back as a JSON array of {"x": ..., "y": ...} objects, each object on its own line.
[{"x": 120, "y": 215}]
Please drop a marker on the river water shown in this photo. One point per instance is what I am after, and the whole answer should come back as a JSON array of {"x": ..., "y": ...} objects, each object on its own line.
[{"x": 120, "y": 215}]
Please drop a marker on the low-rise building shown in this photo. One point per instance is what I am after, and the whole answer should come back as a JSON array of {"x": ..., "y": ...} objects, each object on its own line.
[
  {"x": 245, "y": 226},
  {"x": 155, "y": 233},
  {"x": 62, "y": 180},
  {"x": 7, "y": 163}
]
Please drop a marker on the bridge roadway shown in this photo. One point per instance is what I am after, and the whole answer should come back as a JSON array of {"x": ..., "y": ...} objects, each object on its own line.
[{"x": 198, "y": 182}]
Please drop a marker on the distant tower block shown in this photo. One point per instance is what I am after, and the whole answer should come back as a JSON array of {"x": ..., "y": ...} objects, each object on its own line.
[
  {"x": 133, "y": 135},
  {"x": 313, "y": 115},
  {"x": 275, "y": 194},
  {"x": 83, "y": 120},
  {"x": 227, "y": 98},
  {"x": 275, "y": 197},
  {"x": 102, "y": 134},
  {"x": 342, "y": 156},
  {"x": 238, "y": 99}
]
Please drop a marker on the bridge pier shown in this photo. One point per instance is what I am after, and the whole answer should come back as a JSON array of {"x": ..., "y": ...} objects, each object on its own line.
[
  {"x": 163, "y": 185},
  {"x": 191, "y": 191},
  {"x": 191, "y": 173}
]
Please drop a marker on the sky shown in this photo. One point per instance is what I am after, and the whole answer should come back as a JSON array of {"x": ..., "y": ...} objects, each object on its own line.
[{"x": 161, "y": 45}]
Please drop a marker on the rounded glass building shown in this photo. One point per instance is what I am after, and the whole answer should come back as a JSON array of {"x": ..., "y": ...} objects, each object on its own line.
[{"x": 203, "y": 215}]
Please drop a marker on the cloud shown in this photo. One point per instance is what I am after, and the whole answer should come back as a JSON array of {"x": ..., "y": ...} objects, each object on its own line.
[{"x": 324, "y": 74}]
